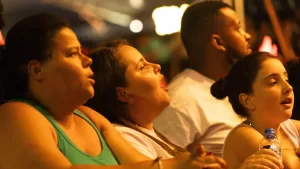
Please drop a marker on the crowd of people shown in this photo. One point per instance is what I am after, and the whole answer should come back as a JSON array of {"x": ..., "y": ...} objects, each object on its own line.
[{"x": 110, "y": 109}]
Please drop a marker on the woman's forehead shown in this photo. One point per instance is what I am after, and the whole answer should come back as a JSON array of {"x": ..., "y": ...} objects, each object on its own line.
[
  {"x": 271, "y": 66},
  {"x": 129, "y": 54},
  {"x": 66, "y": 38}
]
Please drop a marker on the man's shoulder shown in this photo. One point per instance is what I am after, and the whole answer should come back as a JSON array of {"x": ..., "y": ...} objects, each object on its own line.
[
  {"x": 189, "y": 81},
  {"x": 189, "y": 93}
]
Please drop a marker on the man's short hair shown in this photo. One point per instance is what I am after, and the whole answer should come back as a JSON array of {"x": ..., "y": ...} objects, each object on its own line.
[{"x": 199, "y": 22}]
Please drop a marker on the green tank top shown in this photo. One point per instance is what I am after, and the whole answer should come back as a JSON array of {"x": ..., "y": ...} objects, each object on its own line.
[{"x": 66, "y": 146}]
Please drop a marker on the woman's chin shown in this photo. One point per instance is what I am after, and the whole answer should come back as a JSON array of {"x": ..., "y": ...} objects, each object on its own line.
[
  {"x": 286, "y": 115},
  {"x": 165, "y": 103}
]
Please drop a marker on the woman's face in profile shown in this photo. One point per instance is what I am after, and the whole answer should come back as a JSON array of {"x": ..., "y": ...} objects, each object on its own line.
[
  {"x": 272, "y": 96},
  {"x": 145, "y": 82},
  {"x": 67, "y": 72}
]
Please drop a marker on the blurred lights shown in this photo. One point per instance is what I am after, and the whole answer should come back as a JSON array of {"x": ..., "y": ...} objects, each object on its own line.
[
  {"x": 87, "y": 6},
  {"x": 113, "y": 16},
  {"x": 2, "y": 41},
  {"x": 167, "y": 19},
  {"x": 268, "y": 46},
  {"x": 136, "y": 26},
  {"x": 137, "y": 4}
]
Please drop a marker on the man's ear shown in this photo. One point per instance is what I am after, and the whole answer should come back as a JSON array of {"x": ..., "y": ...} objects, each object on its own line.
[
  {"x": 35, "y": 70},
  {"x": 217, "y": 42},
  {"x": 123, "y": 96},
  {"x": 247, "y": 101}
]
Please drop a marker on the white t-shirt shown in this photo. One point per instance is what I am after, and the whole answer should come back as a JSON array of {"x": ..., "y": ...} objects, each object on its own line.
[
  {"x": 143, "y": 143},
  {"x": 193, "y": 109},
  {"x": 291, "y": 131}
]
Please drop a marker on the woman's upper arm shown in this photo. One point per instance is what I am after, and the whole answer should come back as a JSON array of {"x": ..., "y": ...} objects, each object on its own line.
[
  {"x": 27, "y": 141},
  {"x": 241, "y": 143},
  {"x": 124, "y": 152}
]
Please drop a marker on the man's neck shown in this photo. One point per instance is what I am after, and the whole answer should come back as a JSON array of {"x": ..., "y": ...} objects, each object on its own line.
[
  {"x": 208, "y": 73},
  {"x": 212, "y": 66},
  {"x": 211, "y": 71}
]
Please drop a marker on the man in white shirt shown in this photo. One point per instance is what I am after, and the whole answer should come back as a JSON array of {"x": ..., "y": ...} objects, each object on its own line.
[{"x": 213, "y": 38}]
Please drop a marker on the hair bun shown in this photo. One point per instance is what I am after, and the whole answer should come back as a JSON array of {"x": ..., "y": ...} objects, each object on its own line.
[{"x": 218, "y": 89}]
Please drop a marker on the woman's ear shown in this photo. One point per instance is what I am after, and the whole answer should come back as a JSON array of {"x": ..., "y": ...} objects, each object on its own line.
[
  {"x": 35, "y": 70},
  {"x": 124, "y": 96},
  {"x": 217, "y": 42},
  {"x": 247, "y": 101}
]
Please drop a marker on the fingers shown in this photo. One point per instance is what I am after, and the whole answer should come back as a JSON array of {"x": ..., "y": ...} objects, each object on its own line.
[
  {"x": 207, "y": 161},
  {"x": 260, "y": 160},
  {"x": 194, "y": 146},
  {"x": 213, "y": 159},
  {"x": 266, "y": 151},
  {"x": 257, "y": 166},
  {"x": 221, "y": 161},
  {"x": 268, "y": 157},
  {"x": 212, "y": 166},
  {"x": 269, "y": 164},
  {"x": 201, "y": 150}
]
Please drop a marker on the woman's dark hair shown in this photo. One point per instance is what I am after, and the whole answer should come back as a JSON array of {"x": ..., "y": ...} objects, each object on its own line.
[
  {"x": 109, "y": 73},
  {"x": 293, "y": 69},
  {"x": 239, "y": 80},
  {"x": 29, "y": 39}
]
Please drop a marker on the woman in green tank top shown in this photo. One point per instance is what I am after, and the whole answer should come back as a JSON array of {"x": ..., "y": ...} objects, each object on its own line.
[{"x": 45, "y": 80}]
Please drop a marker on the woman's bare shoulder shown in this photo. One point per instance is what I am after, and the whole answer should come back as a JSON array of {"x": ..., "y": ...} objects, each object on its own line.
[
  {"x": 21, "y": 113},
  {"x": 16, "y": 108},
  {"x": 242, "y": 142}
]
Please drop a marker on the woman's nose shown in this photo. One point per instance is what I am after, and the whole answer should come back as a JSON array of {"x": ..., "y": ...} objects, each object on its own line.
[
  {"x": 288, "y": 88},
  {"x": 86, "y": 61},
  {"x": 157, "y": 68}
]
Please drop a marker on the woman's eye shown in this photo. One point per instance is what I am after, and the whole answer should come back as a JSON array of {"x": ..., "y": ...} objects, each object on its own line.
[
  {"x": 74, "y": 54},
  {"x": 273, "y": 82}
]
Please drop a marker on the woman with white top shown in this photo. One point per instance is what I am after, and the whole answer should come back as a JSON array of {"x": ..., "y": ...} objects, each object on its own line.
[{"x": 130, "y": 92}]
